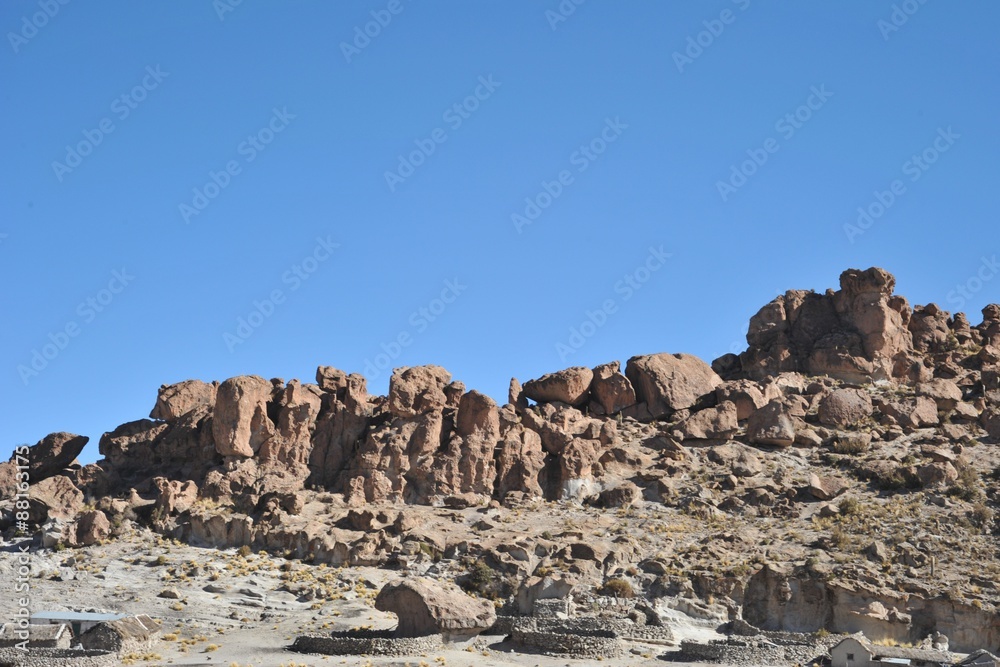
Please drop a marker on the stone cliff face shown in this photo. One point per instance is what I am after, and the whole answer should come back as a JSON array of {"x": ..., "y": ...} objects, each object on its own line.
[{"x": 261, "y": 449}]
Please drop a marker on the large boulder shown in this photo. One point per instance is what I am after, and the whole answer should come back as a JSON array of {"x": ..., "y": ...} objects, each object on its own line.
[
  {"x": 771, "y": 425},
  {"x": 425, "y": 607},
  {"x": 92, "y": 527},
  {"x": 671, "y": 382},
  {"x": 418, "y": 390},
  {"x": 240, "y": 424},
  {"x": 570, "y": 386},
  {"x": 611, "y": 390},
  {"x": 715, "y": 423},
  {"x": 50, "y": 455},
  {"x": 173, "y": 401},
  {"x": 845, "y": 407},
  {"x": 54, "y": 498}
]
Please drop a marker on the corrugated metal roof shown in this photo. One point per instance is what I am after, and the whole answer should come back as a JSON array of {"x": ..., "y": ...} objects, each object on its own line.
[{"x": 75, "y": 616}]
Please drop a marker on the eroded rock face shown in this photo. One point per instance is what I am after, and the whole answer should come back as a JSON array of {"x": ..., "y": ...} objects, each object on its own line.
[
  {"x": 856, "y": 334},
  {"x": 570, "y": 386},
  {"x": 418, "y": 390},
  {"x": 176, "y": 400},
  {"x": 425, "y": 607},
  {"x": 671, "y": 382},
  {"x": 240, "y": 423}
]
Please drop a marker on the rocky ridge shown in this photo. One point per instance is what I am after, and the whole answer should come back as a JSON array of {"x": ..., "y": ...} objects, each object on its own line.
[{"x": 866, "y": 426}]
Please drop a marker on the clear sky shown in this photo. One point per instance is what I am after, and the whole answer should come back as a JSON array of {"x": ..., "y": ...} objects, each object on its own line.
[{"x": 199, "y": 190}]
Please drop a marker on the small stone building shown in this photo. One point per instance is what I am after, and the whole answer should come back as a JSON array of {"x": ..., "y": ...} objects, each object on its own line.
[
  {"x": 39, "y": 636},
  {"x": 857, "y": 651},
  {"x": 79, "y": 621},
  {"x": 125, "y": 635}
]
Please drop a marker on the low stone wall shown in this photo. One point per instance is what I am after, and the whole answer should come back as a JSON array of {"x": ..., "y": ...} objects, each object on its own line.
[
  {"x": 575, "y": 638},
  {"x": 55, "y": 657},
  {"x": 734, "y": 652},
  {"x": 367, "y": 642}
]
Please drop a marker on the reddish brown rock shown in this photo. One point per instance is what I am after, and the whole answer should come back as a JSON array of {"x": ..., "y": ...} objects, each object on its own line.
[
  {"x": 825, "y": 488},
  {"x": 711, "y": 423},
  {"x": 240, "y": 424},
  {"x": 856, "y": 334},
  {"x": 291, "y": 444},
  {"x": 175, "y": 497},
  {"x": 417, "y": 390},
  {"x": 173, "y": 401},
  {"x": 519, "y": 462},
  {"x": 570, "y": 386},
  {"x": 670, "y": 382},
  {"x": 911, "y": 413},
  {"x": 945, "y": 393},
  {"x": 937, "y": 474},
  {"x": 771, "y": 425},
  {"x": 845, "y": 407},
  {"x": 92, "y": 527},
  {"x": 747, "y": 396},
  {"x": 50, "y": 455},
  {"x": 425, "y": 607},
  {"x": 55, "y": 498},
  {"x": 610, "y": 389}
]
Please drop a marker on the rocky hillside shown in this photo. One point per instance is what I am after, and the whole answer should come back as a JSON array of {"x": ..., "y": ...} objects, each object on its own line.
[{"x": 841, "y": 473}]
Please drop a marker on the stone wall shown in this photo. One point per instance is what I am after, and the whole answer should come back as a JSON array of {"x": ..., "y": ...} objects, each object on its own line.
[
  {"x": 57, "y": 658},
  {"x": 578, "y": 638},
  {"x": 370, "y": 642}
]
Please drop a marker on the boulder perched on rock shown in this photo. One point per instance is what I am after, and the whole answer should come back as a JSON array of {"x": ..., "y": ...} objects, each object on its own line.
[
  {"x": 50, "y": 455},
  {"x": 176, "y": 400},
  {"x": 425, "y": 607},
  {"x": 240, "y": 424},
  {"x": 570, "y": 386},
  {"x": 671, "y": 382}
]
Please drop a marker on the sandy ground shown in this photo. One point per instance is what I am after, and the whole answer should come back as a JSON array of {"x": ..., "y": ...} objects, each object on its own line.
[{"x": 237, "y": 611}]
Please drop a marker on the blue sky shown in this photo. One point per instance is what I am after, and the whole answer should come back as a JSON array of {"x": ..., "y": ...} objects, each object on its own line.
[{"x": 467, "y": 184}]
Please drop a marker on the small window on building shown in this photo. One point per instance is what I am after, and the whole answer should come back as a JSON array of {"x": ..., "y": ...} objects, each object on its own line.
[{"x": 850, "y": 656}]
